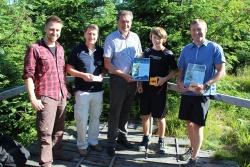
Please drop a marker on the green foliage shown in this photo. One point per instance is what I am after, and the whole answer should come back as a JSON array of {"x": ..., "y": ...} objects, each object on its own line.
[
  {"x": 174, "y": 126},
  {"x": 17, "y": 119},
  {"x": 76, "y": 16},
  {"x": 228, "y": 126},
  {"x": 228, "y": 24},
  {"x": 16, "y": 31}
]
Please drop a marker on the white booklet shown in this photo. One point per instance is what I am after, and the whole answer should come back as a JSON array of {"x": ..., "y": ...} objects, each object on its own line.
[
  {"x": 194, "y": 76},
  {"x": 97, "y": 79}
]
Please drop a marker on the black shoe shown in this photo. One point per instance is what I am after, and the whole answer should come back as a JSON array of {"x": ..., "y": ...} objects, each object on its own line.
[
  {"x": 111, "y": 151},
  {"x": 144, "y": 143},
  {"x": 191, "y": 163},
  {"x": 162, "y": 147},
  {"x": 125, "y": 143},
  {"x": 187, "y": 155}
]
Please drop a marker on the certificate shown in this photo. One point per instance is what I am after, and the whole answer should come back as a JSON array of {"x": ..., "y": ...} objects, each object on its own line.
[
  {"x": 194, "y": 76},
  {"x": 97, "y": 78},
  {"x": 140, "y": 69}
]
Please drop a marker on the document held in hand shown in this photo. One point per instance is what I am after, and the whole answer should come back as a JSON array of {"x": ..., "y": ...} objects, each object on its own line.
[
  {"x": 194, "y": 76},
  {"x": 140, "y": 69}
]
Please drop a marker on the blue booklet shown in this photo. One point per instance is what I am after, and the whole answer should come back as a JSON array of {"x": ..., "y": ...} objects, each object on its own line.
[
  {"x": 140, "y": 69},
  {"x": 194, "y": 76}
]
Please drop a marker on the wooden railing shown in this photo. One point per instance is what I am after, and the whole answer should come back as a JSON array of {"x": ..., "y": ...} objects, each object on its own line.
[{"x": 171, "y": 86}]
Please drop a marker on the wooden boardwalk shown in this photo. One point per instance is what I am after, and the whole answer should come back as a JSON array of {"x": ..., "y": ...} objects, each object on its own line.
[{"x": 127, "y": 158}]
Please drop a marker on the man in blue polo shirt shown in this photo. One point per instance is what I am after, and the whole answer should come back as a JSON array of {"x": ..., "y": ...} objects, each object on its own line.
[
  {"x": 201, "y": 64},
  {"x": 86, "y": 64},
  {"x": 120, "y": 49}
]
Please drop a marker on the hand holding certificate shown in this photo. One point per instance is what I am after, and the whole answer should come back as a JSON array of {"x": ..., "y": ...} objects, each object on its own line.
[
  {"x": 140, "y": 69},
  {"x": 194, "y": 77},
  {"x": 97, "y": 78}
]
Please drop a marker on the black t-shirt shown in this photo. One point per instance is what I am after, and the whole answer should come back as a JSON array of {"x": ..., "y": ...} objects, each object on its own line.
[
  {"x": 82, "y": 61},
  {"x": 161, "y": 64}
]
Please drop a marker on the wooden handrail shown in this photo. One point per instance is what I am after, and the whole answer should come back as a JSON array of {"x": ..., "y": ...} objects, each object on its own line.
[{"x": 171, "y": 86}]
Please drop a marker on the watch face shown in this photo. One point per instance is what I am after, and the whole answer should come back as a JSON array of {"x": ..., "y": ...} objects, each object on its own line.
[{"x": 207, "y": 86}]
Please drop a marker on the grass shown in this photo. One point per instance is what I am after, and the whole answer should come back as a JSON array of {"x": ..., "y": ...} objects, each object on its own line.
[
  {"x": 227, "y": 130},
  {"x": 229, "y": 125}
]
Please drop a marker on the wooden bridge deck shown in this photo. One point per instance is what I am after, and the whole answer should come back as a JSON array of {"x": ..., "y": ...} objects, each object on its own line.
[{"x": 127, "y": 158}]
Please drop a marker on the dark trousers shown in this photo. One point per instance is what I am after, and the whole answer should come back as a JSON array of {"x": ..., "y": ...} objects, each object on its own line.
[
  {"x": 50, "y": 127},
  {"x": 121, "y": 98}
]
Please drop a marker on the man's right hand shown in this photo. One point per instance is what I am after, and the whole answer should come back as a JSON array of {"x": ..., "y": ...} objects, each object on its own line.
[
  {"x": 128, "y": 78},
  {"x": 37, "y": 104},
  {"x": 181, "y": 87},
  {"x": 87, "y": 77}
]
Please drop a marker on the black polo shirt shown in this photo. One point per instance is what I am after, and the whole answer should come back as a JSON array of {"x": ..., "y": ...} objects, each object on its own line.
[{"x": 82, "y": 61}]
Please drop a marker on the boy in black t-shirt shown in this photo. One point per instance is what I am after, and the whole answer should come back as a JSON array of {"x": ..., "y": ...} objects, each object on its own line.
[{"x": 153, "y": 94}]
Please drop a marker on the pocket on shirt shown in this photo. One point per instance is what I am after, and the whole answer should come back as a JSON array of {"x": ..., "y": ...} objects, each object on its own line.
[
  {"x": 45, "y": 63},
  {"x": 45, "y": 68},
  {"x": 61, "y": 64}
]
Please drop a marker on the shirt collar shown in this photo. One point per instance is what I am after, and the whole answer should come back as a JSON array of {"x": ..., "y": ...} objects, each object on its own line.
[
  {"x": 205, "y": 43},
  {"x": 120, "y": 34}
]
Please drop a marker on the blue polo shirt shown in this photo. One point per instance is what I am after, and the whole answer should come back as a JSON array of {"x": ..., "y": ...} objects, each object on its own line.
[
  {"x": 122, "y": 51},
  {"x": 208, "y": 54}
]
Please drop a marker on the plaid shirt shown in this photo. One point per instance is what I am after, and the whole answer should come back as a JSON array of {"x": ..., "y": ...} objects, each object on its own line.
[{"x": 46, "y": 70}]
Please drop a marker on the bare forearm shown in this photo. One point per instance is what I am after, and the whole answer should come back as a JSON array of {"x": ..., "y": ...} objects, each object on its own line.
[
  {"x": 30, "y": 88},
  {"x": 112, "y": 69},
  {"x": 85, "y": 76},
  {"x": 74, "y": 72},
  {"x": 221, "y": 72},
  {"x": 170, "y": 75}
]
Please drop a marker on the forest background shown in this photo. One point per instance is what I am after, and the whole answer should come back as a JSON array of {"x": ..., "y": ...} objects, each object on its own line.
[{"x": 228, "y": 126}]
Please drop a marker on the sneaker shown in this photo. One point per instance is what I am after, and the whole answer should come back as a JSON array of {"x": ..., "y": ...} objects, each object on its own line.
[
  {"x": 111, "y": 151},
  {"x": 96, "y": 147},
  {"x": 162, "y": 147},
  {"x": 83, "y": 152},
  {"x": 191, "y": 163},
  {"x": 187, "y": 155},
  {"x": 125, "y": 143},
  {"x": 144, "y": 143}
]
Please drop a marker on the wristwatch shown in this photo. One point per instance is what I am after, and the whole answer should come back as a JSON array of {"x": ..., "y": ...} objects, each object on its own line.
[{"x": 206, "y": 86}]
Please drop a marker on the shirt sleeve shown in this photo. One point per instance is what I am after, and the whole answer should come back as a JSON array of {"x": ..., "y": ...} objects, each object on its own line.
[
  {"x": 219, "y": 56},
  {"x": 108, "y": 49},
  {"x": 181, "y": 61},
  {"x": 29, "y": 63},
  {"x": 139, "y": 48}
]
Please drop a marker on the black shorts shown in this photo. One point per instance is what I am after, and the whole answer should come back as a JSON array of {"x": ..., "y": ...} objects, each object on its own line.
[
  {"x": 194, "y": 109},
  {"x": 154, "y": 103}
]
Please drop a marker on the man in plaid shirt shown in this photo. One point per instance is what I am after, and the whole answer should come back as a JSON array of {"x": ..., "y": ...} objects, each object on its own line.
[{"x": 44, "y": 75}]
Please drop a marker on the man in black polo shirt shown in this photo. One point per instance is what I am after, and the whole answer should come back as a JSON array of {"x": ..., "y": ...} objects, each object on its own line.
[{"x": 86, "y": 64}]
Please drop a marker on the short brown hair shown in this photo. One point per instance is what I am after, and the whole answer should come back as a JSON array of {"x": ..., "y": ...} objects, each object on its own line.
[
  {"x": 159, "y": 32},
  {"x": 124, "y": 13},
  {"x": 53, "y": 18},
  {"x": 198, "y": 21}
]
